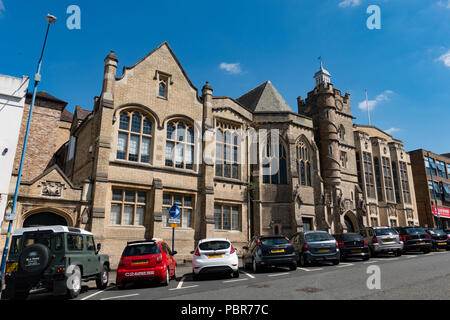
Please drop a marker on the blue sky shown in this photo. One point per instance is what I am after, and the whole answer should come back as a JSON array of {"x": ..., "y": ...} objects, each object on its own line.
[{"x": 237, "y": 45}]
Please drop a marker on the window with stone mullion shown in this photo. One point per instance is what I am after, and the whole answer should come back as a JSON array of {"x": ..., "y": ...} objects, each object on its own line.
[
  {"x": 134, "y": 137},
  {"x": 179, "y": 145},
  {"x": 227, "y": 154}
]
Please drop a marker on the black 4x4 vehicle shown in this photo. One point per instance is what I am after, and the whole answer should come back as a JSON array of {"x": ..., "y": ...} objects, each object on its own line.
[{"x": 57, "y": 258}]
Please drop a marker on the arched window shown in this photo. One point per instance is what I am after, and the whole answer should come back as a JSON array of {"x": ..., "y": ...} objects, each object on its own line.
[
  {"x": 341, "y": 133},
  {"x": 162, "y": 91},
  {"x": 228, "y": 148},
  {"x": 134, "y": 137},
  {"x": 278, "y": 174},
  {"x": 304, "y": 163},
  {"x": 180, "y": 145}
]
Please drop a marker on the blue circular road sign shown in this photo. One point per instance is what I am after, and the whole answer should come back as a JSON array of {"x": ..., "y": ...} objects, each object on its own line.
[{"x": 174, "y": 211}]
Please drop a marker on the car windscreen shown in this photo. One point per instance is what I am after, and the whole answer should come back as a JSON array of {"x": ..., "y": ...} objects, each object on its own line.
[
  {"x": 141, "y": 250},
  {"x": 273, "y": 241},
  {"x": 385, "y": 232},
  {"x": 351, "y": 237},
  {"x": 214, "y": 245},
  {"x": 414, "y": 230},
  {"x": 318, "y": 236}
]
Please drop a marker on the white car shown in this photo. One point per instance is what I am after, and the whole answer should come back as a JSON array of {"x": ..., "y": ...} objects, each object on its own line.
[{"x": 214, "y": 256}]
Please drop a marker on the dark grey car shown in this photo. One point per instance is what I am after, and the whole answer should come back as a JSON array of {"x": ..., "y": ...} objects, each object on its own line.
[{"x": 315, "y": 246}]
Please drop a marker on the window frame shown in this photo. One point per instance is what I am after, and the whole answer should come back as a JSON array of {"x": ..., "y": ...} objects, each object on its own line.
[
  {"x": 282, "y": 156},
  {"x": 230, "y": 209},
  {"x": 123, "y": 202},
  {"x": 175, "y": 142},
  {"x": 183, "y": 207},
  {"x": 226, "y": 157},
  {"x": 303, "y": 160}
]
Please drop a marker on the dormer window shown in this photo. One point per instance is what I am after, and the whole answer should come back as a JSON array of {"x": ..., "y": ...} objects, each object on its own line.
[
  {"x": 162, "y": 92},
  {"x": 164, "y": 80}
]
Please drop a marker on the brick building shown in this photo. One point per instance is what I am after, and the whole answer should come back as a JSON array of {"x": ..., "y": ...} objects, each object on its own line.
[
  {"x": 432, "y": 187},
  {"x": 153, "y": 140}
]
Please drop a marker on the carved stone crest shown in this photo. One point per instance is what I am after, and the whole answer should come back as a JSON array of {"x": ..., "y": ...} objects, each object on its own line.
[{"x": 52, "y": 188}]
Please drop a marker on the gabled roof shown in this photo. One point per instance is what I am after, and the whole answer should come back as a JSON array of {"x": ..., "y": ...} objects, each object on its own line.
[
  {"x": 46, "y": 96},
  {"x": 66, "y": 116},
  {"x": 81, "y": 113},
  {"x": 264, "y": 98}
]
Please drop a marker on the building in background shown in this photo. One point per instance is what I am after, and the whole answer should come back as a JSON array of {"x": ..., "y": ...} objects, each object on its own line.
[
  {"x": 432, "y": 187},
  {"x": 12, "y": 101},
  {"x": 385, "y": 176}
]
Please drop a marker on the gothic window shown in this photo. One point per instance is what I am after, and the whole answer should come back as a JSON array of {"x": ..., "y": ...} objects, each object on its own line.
[
  {"x": 343, "y": 159},
  {"x": 388, "y": 179},
  {"x": 404, "y": 182},
  {"x": 278, "y": 174},
  {"x": 368, "y": 174},
  {"x": 228, "y": 148},
  {"x": 134, "y": 137},
  {"x": 376, "y": 162},
  {"x": 180, "y": 145},
  {"x": 341, "y": 133},
  {"x": 304, "y": 163}
]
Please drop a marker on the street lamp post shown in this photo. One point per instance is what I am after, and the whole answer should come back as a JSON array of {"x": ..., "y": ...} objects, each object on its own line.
[{"x": 37, "y": 78}]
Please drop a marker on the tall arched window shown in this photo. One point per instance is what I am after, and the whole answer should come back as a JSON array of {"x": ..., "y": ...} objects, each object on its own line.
[
  {"x": 162, "y": 90},
  {"x": 341, "y": 133},
  {"x": 134, "y": 136},
  {"x": 304, "y": 163},
  {"x": 278, "y": 173},
  {"x": 180, "y": 145},
  {"x": 227, "y": 150}
]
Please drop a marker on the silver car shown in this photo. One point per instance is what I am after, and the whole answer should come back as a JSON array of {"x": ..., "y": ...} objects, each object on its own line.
[{"x": 382, "y": 240}]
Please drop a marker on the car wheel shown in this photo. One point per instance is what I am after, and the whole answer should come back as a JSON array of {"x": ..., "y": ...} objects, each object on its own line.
[
  {"x": 121, "y": 286},
  {"x": 373, "y": 254},
  {"x": 255, "y": 268},
  {"x": 303, "y": 261},
  {"x": 102, "y": 278},
  {"x": 21, "y": 295},
  {"x": 74, "y": 283},
  {"x": 336, "y": 262},
  {"x": 293, "y": 266},
  {"x": 398, "y": 253},
  {"x": 425, "y": 251},
  {"x": 166, "y": 278},
  {"x": 196, "y": 277},
  {"x": 236, "y": 274},
  {"x": 366, "y": 258}
]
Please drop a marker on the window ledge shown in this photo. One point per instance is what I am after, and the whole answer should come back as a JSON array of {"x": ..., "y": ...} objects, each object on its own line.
[
  {"x": 125, "y": 226},
  {"x": 163, "y": 98},
  {"x": 229, "y": 180}
]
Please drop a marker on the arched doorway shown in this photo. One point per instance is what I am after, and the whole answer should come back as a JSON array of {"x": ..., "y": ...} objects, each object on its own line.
[
  {"x": 44, "y": 219},
  {"x": 349, "y": 224}
]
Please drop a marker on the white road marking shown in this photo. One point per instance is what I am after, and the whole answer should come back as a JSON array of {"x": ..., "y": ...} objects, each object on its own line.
[
  {"x": 248, "y": 274},
  {"x": 371, "y": 261},
  {"x": 409, "y": 257},
  {"x": 305, "y": 269},
  {"x": 94, "y": 294},
  {"x": 343, "y": 265},
  {"x": 118, "y": 297},
  {"x": 234, "y": 280},
  {"x": 392, "y": 259},
  {"x": 181, "y": 283},
  {"x": 184, "y": 287},
  {"x": 278, "y": 274}
]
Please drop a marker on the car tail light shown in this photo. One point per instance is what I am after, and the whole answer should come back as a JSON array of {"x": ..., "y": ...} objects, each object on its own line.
[
  {"x": 337, "y": 246},
  {"x": 427, "y": 235},
  {"x": 288, "y": 240},
  {"x": 374, "y": 239},
  {"x": 305, "y": 247},
  {"x": 159, "y": 259},
  {"x": 232, "y": 250},
  {"x": 121, "y": 262},
  {"x": 259, "y": 243},
  {"x": 341, "y": 244},
  {"x": 365, "y": 243},
  {"x": 197, "y": 252},
  {"x": 448, "y": 236},
  {"x": 406, "y": 237}
]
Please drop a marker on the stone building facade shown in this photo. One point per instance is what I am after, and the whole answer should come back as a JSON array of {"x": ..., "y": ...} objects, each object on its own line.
[{"x": 235, "y": 167}]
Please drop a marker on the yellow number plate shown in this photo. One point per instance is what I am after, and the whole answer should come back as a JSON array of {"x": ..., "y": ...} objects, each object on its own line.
[
  {"x": 442, "y": 243},
  {"x": 388, "y": 240},
  {"x": 140, "y": 262},
  {"x": 323, "y": 250},
  {"x": 12, "y": 267},
  {"x": 277, "y": 251},
  {"x": 356, "y": 251},
  {"x": 420, "y": 242},
  {"x": 216, "y": 256}
]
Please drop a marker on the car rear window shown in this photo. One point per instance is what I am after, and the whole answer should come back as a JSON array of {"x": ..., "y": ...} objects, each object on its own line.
[
  {"x": 351, "y": 237},
  {"x": 318, "y": 236},
  {"x": 214, "y": 245},
  {"x": 37, "y": 237},
  {"x": 273, "y": 241},
  {"x": 385, "y": 232},
  {"x": 414, "y": 230},
  {"x": 141, "y": 250},
  {"x": 438, "y": 232}
]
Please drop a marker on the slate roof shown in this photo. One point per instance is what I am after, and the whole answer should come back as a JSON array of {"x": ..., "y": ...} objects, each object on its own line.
[
  {"x": 66, "y": 116},
  {"x": 81, "y": 113},
  {"x": 264, "y": 98},
  {"x": 46, "y": 96}
]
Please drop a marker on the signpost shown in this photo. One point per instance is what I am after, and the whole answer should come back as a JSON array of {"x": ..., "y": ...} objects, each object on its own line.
[{"x": 174, "y": 221}]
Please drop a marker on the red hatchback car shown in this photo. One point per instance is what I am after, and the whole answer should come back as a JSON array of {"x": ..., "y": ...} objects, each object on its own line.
[{"x": 146, "y": 260}]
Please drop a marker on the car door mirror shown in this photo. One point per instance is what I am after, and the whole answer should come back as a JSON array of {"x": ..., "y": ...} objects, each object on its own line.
[
  {"x": 192, "y": 252},
  {"x": 99, "y": 247},
  {"x": 174, "y": 253},
  {"x": 245, "y": 247}
]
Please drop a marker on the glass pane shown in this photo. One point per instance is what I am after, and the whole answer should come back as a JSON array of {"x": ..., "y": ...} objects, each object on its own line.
[
  {"x": 283, "y": 171},
  {"x": 219, "y": 153},
  {"x": 171, "y": 131},
  {"x": 134, "y": 147},
  {"x": 145, "y": 150},
  {"x": 127, "y": 218},
  {"x": 219, "y": 136},
  {"x": 141, "y": 197},
  {"x": 227, "y": 137},
  {"x": 178, "y": 200},
  {"x": 124, "y": 121},
  {"x": 140, "y": 213},
  {"x": 186, "y": 218},
  {"x": 162, "y": 90},
  {"x": 226, "y": 218},
  {"x": 129, "y": 196},
  {"x": 115, "y": 214},
  {"x": 122, "y": 146},
  {"x": 235, "y": 171},
  {"x": 179, "y": 156},
  {"x": 190, "y": 135},
  {"x": 189, "y": 154},
  {"x": 235, "y": 154},
  {"x": 136, "y": 122},
  {"x": 235, "y": 139},
  {"x": 217, "y": 217},
  {"x": 188, "y": 201},
  {"x": 169, "y": 153},
  {"x": 180, "y": 131},
  {"x": 147, "y": 126},
  {"x": 235, "y": 218},
  {"x": 167, "y": 199},
  {"x": 227, "y": 170},
  {"x": 219, "y": 170},
  {"x": 117, "y": 195},
  {"x": 165, "y": 215}
]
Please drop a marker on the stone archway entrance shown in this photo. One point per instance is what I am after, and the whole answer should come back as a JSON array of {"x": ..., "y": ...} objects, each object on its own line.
[
  {"x": 44, "y": 219},
  {"x": 349, "y": 224}
]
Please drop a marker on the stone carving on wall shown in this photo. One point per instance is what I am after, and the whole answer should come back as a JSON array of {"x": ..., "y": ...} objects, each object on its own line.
[
  {"x": 52, "y": 188},
  {"x": 373, "y": 209},
  {"x": 392, "y": 212}
]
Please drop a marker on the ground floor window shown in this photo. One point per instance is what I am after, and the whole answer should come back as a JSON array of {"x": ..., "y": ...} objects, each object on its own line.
[
  {"x": 307, "y": 224},
  {"x": 393, "y": 223},
  {"x": 226, "y": 217},
  {"x": 374, "y": 222},
  {"x": 184, "y": 202},
  {"x": 128, "y": 207}
]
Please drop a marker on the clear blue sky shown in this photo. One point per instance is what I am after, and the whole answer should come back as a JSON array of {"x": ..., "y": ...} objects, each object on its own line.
[{"x": 405, "y": 66}]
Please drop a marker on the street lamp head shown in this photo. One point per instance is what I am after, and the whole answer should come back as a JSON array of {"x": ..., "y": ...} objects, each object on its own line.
[{"x": 50, "y": 19}]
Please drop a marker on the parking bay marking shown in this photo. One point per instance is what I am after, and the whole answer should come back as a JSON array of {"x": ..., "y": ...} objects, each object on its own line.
[
  {"x": 180, "y": 285},
  {"x": 94, "y": 294},
  {"x": 371, "y": 261},
  {"x": 248, "y": 274},
  {"x": 278, "y": 274},
  {"x": 305, "y": 269},
  {"x": 118, "y": 297},
  {"x": 343, "y": 265},
  {"x": 235, "y": 280}
]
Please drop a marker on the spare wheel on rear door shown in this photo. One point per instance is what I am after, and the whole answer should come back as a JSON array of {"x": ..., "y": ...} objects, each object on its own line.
[{"x": 34, "y": 259}]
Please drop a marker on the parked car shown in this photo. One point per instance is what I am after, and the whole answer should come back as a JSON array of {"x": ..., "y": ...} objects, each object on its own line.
[
  {"x": 57, "y": 258},
  {"x": 415, "y": 239},
  {"x": 315, "y": 246},
  {"x": 439, "y": 239},
  {"x": 382, "y": 240},
  {"x": 266, "y": 251},
  {"x": 214, "y": 256},
  {"x": 352, "y": 245},
  {"x": 146, "y": 260}
]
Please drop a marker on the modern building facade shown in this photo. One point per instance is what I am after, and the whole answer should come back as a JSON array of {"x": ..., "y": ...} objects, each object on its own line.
[
  {"x": 235, "y": 167},
  {"x": 432, "y": 187}
]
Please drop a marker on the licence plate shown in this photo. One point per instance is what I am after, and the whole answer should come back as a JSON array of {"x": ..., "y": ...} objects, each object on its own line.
[
  {"x": 12, "y": 267},
  {"x": 277, "y": 251},
  {"x": 442, "y": 243},
  {"x": 420, "y": 242},
  {"x": 356, "y": 251},
  {"x": 388, "y": 240},
  {"x": 215, "y": 256},
  {"x": 140, "y": 262},
  {"x": 324, "y": 250}
]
